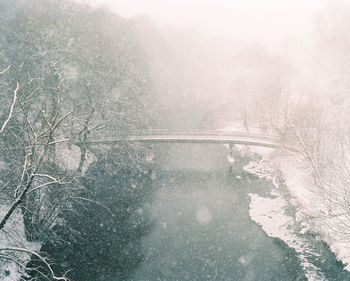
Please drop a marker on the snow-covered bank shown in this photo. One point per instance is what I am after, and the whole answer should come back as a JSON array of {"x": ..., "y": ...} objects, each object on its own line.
[
  {"x": 269, "y": 212},
  {"x": 313, "y": 210},
  {"x": 13, "y": 235},
  {"x": 270, "y": 215}
]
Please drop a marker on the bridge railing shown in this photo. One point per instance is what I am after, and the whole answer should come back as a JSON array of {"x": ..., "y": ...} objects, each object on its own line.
[{"x": 164, "y": 133}]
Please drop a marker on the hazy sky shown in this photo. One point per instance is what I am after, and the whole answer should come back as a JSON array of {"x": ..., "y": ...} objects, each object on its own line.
[{"x": 264, "y": 21}]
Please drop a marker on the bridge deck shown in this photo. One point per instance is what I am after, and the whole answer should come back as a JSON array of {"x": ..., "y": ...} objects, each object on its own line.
[{"x": 195, "y": 137}]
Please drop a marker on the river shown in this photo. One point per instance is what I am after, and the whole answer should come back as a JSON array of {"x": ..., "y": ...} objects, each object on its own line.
[{"x": 211, "y": 224}]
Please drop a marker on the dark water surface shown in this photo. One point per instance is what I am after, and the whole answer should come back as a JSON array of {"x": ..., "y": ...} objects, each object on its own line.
[
  {"x": 203, "y": 230},
  {"x": 204, "y": 233}
]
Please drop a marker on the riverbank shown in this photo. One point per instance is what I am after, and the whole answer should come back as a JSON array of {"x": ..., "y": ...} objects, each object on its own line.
[
  {"x": 286, "y": 214},
  {"x": 315, "y": 213}
]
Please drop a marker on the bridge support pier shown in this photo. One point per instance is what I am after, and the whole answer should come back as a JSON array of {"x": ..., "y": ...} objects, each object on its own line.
[
  {"x": 149, "y": 159},
  {"x": 230, "y": 157}
]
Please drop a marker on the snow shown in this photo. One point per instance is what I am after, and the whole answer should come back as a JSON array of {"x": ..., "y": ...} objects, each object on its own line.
[
  {"x": 262, "y": 170},
  {"x": 69, "y": 157},
  {"x": 341, "y": 250},
  {"x": 269, "y": 213},
  {"x": 230, "y": 159},
  {"x": 266, "y": 152},
  {"x": 203, "y": 216},
  {"x": 13, "y": 235},
  {"x": 10, "y": 273},
  {"x": 3, "y": 165},
  {"x": 313, "y": 213}
]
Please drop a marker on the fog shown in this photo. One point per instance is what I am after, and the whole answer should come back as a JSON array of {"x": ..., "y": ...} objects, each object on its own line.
[
  {"x": 131, "y": 135},
  {"x": 253, "y": 21},
  {"x": 212, "y": 59}
]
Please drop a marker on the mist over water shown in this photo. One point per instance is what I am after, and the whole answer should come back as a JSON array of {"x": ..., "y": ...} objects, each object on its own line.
[{"x": 82, "y": 79}]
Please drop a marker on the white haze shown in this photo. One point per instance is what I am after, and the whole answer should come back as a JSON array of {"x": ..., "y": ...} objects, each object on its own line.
[
  {"x": 275, "y": 65},
  {"x": 265, "y": 22}
]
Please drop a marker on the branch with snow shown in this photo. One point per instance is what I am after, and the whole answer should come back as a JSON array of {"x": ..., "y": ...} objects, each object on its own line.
[
  {"x": 5, "y": 70},
  {"x": 52, "y": 127},
  {"x": 31, "y": 253},
  {"x": 11, "y": 108}
]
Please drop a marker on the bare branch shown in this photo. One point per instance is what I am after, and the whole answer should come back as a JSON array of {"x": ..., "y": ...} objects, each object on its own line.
[
  {"x": 11, "y": 108},
  {"x": 13, "y": 259},
  {"x": 59, "y": 141},
  {"x": 47, "y": 184},
  {"x": 22, "y": 196},
  {"x": 95, "y": 202},
  {"x": 6, "y": 69},
  {"x": 48, "y": 176},
  {"x": 23, "y": 173},
  {"x": 61, "y": 120},
  {"x": 29, "y": 252}
]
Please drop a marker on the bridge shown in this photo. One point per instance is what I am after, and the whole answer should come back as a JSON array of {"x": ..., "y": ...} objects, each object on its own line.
[{"x": 199, "y": 136}]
